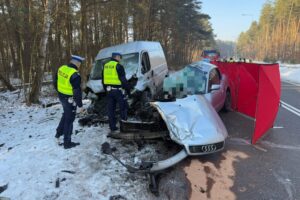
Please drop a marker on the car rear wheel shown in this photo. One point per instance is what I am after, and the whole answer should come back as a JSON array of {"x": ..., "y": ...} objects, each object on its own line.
[{"x": 227, "y": 103}]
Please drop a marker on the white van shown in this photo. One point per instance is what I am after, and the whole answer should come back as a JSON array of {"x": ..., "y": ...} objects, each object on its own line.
[{"x": 143, "y": 59}]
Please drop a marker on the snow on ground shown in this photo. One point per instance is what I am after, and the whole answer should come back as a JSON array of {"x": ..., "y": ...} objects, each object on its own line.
[
  {"x": 290, "y": 73},
  {"x": 33, "y": 164}
]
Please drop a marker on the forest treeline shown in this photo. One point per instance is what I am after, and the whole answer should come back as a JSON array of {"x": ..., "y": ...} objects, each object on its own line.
[
  {"x": 276, "y": 37},
  {"x": 39, "y": 36}
]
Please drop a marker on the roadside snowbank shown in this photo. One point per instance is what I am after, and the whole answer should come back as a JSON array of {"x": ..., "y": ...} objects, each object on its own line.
[
  {"x": 35, "y": 167},
  {"x": 290, "y": 73}
]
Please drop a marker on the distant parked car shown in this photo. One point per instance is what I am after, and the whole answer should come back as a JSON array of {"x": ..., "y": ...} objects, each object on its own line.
[{"x": 210, "y": 54}]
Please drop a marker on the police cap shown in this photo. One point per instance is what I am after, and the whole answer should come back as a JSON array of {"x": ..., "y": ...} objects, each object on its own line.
[
  {"x": 114, "y": 54},
  {"x": 77, "y": 58}
]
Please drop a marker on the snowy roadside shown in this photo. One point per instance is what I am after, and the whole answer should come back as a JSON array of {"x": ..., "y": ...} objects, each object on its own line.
[
  {"x": 290, "y": 73},
  {"x": 35, "y": 167}
]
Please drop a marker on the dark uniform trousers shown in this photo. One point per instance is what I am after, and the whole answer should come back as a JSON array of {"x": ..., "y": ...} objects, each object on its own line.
[
  {"x": 115, "y": 96},
  {"x": 65, "y": 126}
]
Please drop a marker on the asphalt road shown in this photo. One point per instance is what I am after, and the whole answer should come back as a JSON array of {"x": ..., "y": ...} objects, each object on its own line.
[{"x": 267, "y": 170}]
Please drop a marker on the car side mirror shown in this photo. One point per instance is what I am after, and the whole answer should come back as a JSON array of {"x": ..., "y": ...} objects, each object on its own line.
[{"x": 215, "y": 87}]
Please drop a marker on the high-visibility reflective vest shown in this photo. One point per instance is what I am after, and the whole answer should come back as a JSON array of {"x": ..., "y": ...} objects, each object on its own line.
[
  {"x": 110, "y": 74},
  {"x": 63, "y": 79}
]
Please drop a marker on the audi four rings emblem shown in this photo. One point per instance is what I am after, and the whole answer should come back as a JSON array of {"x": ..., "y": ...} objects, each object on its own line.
[{"x": 209, "y": 148}]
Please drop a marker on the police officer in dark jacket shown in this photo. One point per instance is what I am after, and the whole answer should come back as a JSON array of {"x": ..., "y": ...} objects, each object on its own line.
[
  {"x": 115, "y": 84},
  {"x": 67, "y": 83}
]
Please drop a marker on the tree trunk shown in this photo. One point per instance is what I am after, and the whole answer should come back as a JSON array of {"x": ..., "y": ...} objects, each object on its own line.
[
  {"x": 68, "y": 31},
  {"x": 35, "y": 92},
  {"x": 7, "y": 83},
  {"x": 84, "y": 41},
  {"x": 27, "y": 41}
]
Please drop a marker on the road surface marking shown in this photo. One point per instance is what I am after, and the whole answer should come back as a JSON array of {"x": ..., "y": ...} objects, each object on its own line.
[
  {"x": 241, "y": 141},
  {"x": 280, "y": 146},
  {"x": 289, "y": 82},
  {"x": 290, "y": 108},
  {"x": 288, "y": 185},
  {"x": 275, "y": 127}
]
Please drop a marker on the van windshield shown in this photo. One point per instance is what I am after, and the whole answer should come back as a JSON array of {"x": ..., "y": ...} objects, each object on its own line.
[{"x": 129, "y": 61}]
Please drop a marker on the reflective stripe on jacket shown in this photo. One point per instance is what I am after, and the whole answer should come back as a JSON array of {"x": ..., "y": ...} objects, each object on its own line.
[
  {"x": 63, "y": 79},
  {"x": 110, "y": 74}
]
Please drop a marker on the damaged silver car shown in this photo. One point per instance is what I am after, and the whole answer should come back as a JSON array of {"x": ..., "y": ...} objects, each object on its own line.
[
  {"x": 188, "y": 113},
  {"x": 192, "y": 119}
]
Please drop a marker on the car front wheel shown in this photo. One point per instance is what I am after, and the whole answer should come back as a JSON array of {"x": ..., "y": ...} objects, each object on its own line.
[{"x": 227, "y": 103}]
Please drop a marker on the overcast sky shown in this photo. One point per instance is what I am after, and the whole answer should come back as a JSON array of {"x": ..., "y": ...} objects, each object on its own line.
[{"x": 230, "y": 17}]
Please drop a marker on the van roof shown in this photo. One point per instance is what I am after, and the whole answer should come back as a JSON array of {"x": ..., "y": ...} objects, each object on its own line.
[{"x": 130, "y": 47}]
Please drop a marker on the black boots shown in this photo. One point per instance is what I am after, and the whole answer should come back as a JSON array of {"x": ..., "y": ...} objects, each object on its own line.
[{"x": 69, "y": 145}]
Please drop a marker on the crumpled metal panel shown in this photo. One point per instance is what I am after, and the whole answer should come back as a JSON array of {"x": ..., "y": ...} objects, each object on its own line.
[
  {"x": 192, "y": 121},
  {"x": 95, "y": 85}
]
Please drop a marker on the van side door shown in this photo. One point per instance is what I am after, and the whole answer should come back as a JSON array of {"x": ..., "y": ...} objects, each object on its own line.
[
  {"x": 159, "y": 68},
  {"x": 146, "y": 71}
]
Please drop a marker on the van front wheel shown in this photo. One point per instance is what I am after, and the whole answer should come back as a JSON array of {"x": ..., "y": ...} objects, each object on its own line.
[{"x": 146, "y": 98}]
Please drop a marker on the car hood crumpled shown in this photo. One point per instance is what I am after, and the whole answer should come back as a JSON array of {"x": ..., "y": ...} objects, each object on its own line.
[{"x": 192, "y": 121}]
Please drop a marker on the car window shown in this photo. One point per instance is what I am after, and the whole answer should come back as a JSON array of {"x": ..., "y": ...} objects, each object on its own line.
[
  {"x": 145, "y": 63},
  {"x": 188, "y": 81},
  {"x": 219, "y": 74},
  {"x": 130, "y": 62},
  {"x": 96, "y": 72},
  {"x": 214, "y": 78}
]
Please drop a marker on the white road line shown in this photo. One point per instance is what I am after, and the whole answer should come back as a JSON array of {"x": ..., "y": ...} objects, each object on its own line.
[
  {"x": 280, "y": 146},
  {"x": 291, "y": 83},
  {"x": 276, "y": 127},
  {"x": 288, "y": 185},
  {"x": 290, "y": 108}
]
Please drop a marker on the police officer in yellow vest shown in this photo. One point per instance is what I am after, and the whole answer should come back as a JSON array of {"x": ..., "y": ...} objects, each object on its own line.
[
  {"x": 67, "y": 83},
  {"x": 115, "y": 84}
]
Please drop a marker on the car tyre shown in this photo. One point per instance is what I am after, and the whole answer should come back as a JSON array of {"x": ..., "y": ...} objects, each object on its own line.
[
  {"x": 146, "y": 97},
  {"x": 227, "y": 103}
]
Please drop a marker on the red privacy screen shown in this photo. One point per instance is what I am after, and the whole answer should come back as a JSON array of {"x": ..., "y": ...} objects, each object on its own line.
[{"x": 255, "y": 91}]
